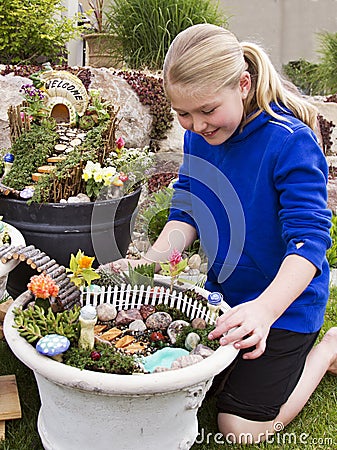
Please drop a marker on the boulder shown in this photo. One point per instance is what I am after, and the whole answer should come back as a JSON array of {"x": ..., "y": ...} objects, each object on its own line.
[
  {"x": 9, "y": 90},
  {"x": 136, "y": 120}
]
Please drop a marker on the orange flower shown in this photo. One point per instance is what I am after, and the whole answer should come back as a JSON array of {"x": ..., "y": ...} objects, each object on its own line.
[
  {"x": 85, "y": 262},
  {"x": 43, "y": 286}
]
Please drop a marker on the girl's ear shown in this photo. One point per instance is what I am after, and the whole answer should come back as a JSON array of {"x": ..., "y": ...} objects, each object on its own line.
[{"x": 245, "y": 84}]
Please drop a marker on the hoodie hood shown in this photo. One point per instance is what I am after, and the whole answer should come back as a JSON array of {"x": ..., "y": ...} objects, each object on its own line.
[{"x": 259, "y": 121}]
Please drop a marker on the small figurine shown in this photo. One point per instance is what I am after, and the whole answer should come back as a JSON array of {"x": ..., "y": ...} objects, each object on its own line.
[
  {"x": 214, "y": 302},
  {"x": 88, "y": 318},
  {"x": 8, "y": 162}
]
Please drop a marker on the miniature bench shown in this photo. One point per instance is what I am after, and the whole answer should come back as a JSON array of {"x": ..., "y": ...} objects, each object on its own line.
[{"x": 9, "y": 402}]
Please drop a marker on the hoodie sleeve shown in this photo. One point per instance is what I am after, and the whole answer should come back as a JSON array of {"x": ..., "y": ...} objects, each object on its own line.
[
  {"x": 181, "y": 206},
  {"x": 300, "y": 176}
]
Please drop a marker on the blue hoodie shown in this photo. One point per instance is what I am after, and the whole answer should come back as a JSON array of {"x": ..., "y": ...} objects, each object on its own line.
[{"x": 253, "y": 200}]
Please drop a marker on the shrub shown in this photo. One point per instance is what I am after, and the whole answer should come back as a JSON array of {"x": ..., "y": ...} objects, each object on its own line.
[
  {"x": 145, "y": 30},
  {"x": 302, "y": 73},
  {"x": 317, "y": 79},
  {"x": 34, "y": 31}
]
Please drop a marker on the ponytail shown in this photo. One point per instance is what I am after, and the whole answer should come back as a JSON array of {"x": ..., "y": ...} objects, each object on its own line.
[{"x": 268, "y": 86}]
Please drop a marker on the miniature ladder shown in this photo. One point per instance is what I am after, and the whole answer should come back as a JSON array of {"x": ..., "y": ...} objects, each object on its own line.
[{"x": 9, "y": 402}]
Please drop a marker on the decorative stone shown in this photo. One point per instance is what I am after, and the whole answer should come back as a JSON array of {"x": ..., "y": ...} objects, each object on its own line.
[
  {"x": 124, "y": 317},
  {"x": 60, "y": 148},
  {"x": 158, "y": 321},
  {"x": 198, "y": 323},
  {"x": 137, "y": 325},
  {"x": 74, "y": 200},
  {"x": 75, "y": 142},
  {"x": 106, "y": 312},
  {"x": 83, "y": 198},
  {"x": 194, "y": 261},
  {"x": 192, "y": 340},
  {"x": 162, "y": 358},
  {"x": 202, "y": 350},
  {"x": 174, "y": 329},
  {"x": 147, "y": 310},
  {"x": 185, "y": 361}
]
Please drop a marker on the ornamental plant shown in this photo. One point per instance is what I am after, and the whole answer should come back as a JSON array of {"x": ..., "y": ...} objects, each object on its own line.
[
  {"x": 175, "y": 265},
  {"x": 96, "y": 177},
  {"x": 81, "y": 270},
  {"x": 33, "y": 31},
  {"x": 145, "y": 30},
  {"x": 34, "y": 108},
  {"x": 43, "y": 287}
]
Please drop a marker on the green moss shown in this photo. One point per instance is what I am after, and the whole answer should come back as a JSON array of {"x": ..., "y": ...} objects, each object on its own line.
[
  {"x": 30, "y": 150},
  {"x": 111, "y": 360},
  {"x": 203, "y": 337}
]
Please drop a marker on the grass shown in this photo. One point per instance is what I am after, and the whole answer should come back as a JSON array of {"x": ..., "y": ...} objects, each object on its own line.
[{"x": 313, "y": 429}]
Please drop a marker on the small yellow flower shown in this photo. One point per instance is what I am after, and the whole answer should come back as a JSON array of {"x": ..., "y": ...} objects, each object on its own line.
[{"x": 85, "y": 262}]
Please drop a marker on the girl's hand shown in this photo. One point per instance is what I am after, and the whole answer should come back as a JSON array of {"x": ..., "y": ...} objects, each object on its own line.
[
  {"x": 247, "y": 326},
  {"x": 122, "y": 264}
]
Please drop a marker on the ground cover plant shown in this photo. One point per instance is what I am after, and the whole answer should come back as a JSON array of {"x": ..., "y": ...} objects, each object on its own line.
[{"x": 316, "y": 424}]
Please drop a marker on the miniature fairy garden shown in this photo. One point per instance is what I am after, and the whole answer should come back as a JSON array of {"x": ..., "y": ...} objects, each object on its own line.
[
  {"x": 65, "y": 145},
  {"x": 4, "y": 233},
  {"x": 119, "y": 327}
]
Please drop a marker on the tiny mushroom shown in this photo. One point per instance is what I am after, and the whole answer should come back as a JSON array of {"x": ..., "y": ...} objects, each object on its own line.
[{"x": 53, "y": 345}]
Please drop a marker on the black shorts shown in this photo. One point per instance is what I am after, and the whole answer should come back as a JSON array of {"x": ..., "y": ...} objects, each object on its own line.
[{"x": 256, "y": 389}]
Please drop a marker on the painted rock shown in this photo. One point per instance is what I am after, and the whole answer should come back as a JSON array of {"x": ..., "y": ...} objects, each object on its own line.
[
  {"x": 124, "y": 317},
  {"x": 147, "y": 310},
  {"x": 52, "y": 345},
  {"x": 191, "y": 341},
  {"x": 174, "y": 329},
  {"x": 106, "y": 312},
  {"x": 158, "y": 321}
]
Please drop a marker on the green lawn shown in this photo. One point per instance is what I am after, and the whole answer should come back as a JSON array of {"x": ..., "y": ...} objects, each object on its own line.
[{"x": 315, "y": 428}]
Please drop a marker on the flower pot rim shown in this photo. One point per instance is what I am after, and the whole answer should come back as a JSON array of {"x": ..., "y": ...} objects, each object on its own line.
[
  {"x": 16, "y": 240},
  {"x": 68, "y": 205},
  {"x": 96, "y": 34},
  {"x": 108, "y": 383}
]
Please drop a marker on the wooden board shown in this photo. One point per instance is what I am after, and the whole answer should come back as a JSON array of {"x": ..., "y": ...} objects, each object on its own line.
[{"x": 9, "y": 401}]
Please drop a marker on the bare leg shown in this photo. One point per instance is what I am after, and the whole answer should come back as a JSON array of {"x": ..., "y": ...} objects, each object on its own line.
[{"x": 321, "y": 359}]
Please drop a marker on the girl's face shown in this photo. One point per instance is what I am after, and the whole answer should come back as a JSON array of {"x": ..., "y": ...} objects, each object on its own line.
[{"x": 215, "y": 116}]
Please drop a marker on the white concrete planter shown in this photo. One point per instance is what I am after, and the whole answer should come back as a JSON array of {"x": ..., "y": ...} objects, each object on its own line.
[
  {"x": 333, "y": 277},
  {"x": 87, "y": 410},
  {"x": 16, "y": 240}
]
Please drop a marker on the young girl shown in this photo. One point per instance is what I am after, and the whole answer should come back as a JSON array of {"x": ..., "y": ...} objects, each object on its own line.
[{"x": 252, "y": 187}]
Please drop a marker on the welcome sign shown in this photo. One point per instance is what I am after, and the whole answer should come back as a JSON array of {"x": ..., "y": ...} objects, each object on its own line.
[{"x": 64, "y": 88}]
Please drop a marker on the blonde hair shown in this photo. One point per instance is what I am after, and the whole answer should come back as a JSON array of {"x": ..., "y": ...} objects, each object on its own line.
[{"x": 207, "y": 55}]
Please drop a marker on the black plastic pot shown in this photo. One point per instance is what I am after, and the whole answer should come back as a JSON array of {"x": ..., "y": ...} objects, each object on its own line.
[{"x": 102, "y": 229}]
